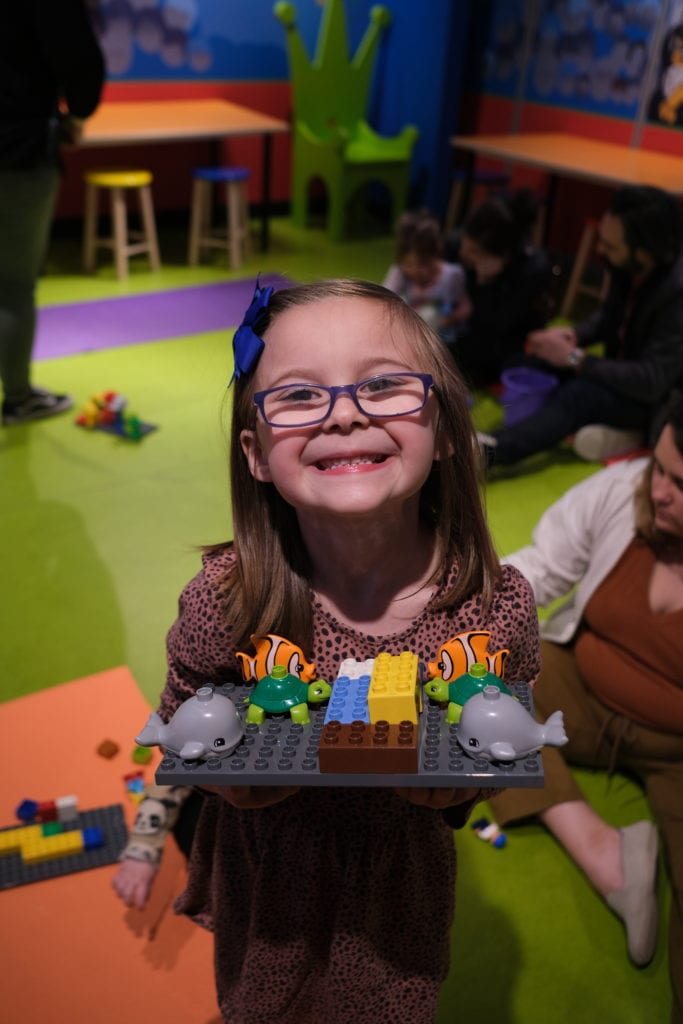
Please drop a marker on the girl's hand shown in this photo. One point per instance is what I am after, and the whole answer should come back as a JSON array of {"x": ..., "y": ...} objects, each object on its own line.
[
  {"x": 251, "y": 797},
  {"x": 437, "y": 798},
  {"x": 133, "y": 882}
]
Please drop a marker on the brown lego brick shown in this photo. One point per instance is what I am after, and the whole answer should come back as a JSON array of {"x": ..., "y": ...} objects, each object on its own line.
[{"x": 368, "y": 747}]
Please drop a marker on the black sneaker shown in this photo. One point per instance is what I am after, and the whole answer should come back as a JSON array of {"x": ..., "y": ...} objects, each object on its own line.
[{"x": 37, "y": 406}]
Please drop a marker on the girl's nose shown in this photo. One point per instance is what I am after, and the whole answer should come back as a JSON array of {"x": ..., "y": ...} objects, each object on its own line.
[{"x": 345, "y": 414}]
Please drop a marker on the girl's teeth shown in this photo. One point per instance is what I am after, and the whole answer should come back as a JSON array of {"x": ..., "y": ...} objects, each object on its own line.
[{"x": 359, "y": 461}]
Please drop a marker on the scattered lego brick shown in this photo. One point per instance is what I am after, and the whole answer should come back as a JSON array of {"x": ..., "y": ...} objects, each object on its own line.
[
  {"x": 67, "y": 808},
  {"x": 108, "y": 749},
  {"x": 27, "y": 810},
  {"x": 368, "y": 747},
  {"x": 395, "y": 695},
  {"x": 489, "y": 832},
  {"x": 142, "y": 755},
  {"x": 52, "y": 828},
  {"x": 50, "y": 847},
  {"x": 47, "y": 811}
]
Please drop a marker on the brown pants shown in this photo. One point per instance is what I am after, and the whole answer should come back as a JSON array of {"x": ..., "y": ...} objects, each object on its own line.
[{"x": 600, "y": 738}]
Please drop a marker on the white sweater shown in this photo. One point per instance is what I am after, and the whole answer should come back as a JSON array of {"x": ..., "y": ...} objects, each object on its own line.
[{"x": 577, "y": 542}]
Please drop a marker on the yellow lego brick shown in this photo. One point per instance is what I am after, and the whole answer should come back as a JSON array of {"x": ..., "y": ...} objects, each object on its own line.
[
  {"x": 14, "y": 838},
  {"x": 52, "y": 846},
  {"x": 394, "y": 695}
]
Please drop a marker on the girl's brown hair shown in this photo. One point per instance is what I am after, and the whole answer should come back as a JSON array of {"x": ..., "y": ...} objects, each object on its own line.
[{"x": 269, "y": 589}]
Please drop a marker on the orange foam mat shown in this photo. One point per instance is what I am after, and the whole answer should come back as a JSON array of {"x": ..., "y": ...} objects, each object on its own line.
[{"x": 71, "y": 950}]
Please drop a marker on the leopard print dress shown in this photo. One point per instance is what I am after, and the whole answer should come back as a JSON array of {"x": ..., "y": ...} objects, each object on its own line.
[{"x": 336, "y": 904}]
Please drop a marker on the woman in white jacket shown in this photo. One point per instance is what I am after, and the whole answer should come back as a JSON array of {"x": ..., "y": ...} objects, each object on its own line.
[{"x": 612, "y": 660}]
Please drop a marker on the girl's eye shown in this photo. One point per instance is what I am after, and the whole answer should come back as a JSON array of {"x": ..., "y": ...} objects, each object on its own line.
[
  {"x": 299, "y": 395},
  {"x": 383, "y": 384}
]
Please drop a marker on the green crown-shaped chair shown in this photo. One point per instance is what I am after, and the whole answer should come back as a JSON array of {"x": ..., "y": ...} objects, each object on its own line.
[{"x": 332, "y": 140}]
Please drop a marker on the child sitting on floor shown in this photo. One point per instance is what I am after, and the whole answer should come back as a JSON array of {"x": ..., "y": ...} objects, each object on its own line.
[{"x": 434, "y": 288}]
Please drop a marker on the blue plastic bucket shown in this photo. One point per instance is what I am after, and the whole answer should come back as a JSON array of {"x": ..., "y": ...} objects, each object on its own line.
[{"x": 525, "y": 391}]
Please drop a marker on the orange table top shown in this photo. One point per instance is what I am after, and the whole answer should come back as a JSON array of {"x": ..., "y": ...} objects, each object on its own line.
[
  {"x": 573, "y": 155},
  {"x": 72, "y": 951},
  {"x": 174, "y": 120}
]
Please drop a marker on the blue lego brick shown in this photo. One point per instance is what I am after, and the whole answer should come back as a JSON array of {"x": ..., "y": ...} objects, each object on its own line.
[
  {"x": 349, "y": 700},
  {"x": 282, "y": 752},
  {"x": 27, "y": 810},
  {"x": 107, "y": 821}
]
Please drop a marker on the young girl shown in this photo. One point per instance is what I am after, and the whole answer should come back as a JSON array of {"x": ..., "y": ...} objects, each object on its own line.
[
  {"x": 358, "y": 529},
  {"x": 433, "y": 287}
]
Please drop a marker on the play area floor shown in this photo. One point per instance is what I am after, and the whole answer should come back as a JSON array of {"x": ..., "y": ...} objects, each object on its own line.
[{"x": 98, "y": 535}]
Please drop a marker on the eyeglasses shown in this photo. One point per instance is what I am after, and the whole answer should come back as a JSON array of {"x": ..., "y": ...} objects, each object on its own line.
[{"x": 386, "y": 396}]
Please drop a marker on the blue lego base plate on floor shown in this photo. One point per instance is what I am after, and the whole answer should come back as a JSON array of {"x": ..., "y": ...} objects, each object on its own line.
[
  {"x": 111, "y": 822},
  {"x": 283, "y": 753}
]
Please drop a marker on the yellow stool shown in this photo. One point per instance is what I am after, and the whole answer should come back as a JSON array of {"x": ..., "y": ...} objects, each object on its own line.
[
  {"x": 234, "y": 237},
  {"x": 123, "y": 242}
]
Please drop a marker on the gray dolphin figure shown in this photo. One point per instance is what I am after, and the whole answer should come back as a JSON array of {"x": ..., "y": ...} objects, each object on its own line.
[
  {"x": 205, "y": 725},
  {"x": 496, "y": 727}
]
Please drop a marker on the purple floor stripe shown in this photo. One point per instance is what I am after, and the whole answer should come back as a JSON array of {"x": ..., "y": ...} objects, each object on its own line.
[{"x": 155, "y": 316}]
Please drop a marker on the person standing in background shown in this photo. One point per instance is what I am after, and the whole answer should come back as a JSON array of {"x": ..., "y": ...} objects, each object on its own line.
[{"x": 51, "y": 77}]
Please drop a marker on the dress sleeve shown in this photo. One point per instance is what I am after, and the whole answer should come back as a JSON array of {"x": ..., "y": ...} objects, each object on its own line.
[
  {"x": 199, "y": 645},
  {"x": 514, "y": 624}
]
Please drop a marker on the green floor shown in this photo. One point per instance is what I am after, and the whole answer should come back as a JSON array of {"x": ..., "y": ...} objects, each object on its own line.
[{"x": 98, "y": 536}]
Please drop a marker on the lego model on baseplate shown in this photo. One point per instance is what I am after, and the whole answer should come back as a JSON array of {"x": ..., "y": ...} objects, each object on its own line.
[
  {"x": 378, "y": 734},
  {"x": 35, "y": 852}
]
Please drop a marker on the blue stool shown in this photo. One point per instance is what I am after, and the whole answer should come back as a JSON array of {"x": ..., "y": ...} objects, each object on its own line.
[{"x": 234, "y": 237}]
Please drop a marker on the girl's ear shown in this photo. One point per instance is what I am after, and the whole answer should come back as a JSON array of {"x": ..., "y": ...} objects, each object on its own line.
[{"x": 256, "y": 460}]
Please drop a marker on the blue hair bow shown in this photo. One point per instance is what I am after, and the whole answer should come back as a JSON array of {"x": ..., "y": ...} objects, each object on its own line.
[{"x": 246, "y": 344}]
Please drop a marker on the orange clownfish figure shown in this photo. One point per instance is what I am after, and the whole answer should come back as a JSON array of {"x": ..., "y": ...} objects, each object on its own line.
[
  {"x": 457, "y": 656},
  {"x": 272, "y": 650}
]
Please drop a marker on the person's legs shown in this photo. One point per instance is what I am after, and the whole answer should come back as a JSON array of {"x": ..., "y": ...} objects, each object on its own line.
[
  {"x": 664, "y": 786},
  {"x": 558, "y": 686},
  {"x": 575, "y": 404},
  {"x": 619, "y": 863},
  {"x": 26, "y": 205}
]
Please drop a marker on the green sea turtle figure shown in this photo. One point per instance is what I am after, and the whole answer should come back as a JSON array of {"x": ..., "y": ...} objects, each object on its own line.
[
  {"x": 282, "y": 692},
  {"x": 461, "y": 689}
]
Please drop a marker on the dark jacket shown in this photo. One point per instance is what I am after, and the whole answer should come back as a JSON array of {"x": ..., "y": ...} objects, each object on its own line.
[
  {"x": 642, "y": 331},
  {"x": 49, "y": 60},
  {"x": 504, "y": 311}
]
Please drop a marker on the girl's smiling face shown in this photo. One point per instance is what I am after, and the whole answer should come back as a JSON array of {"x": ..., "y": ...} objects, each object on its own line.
[{"x": 351, "y": 464}]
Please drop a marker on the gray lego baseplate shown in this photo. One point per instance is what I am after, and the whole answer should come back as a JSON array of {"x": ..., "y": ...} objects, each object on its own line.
[
  {"x": 281, "y": 752},
  {"x": 110, "y": 820}
]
